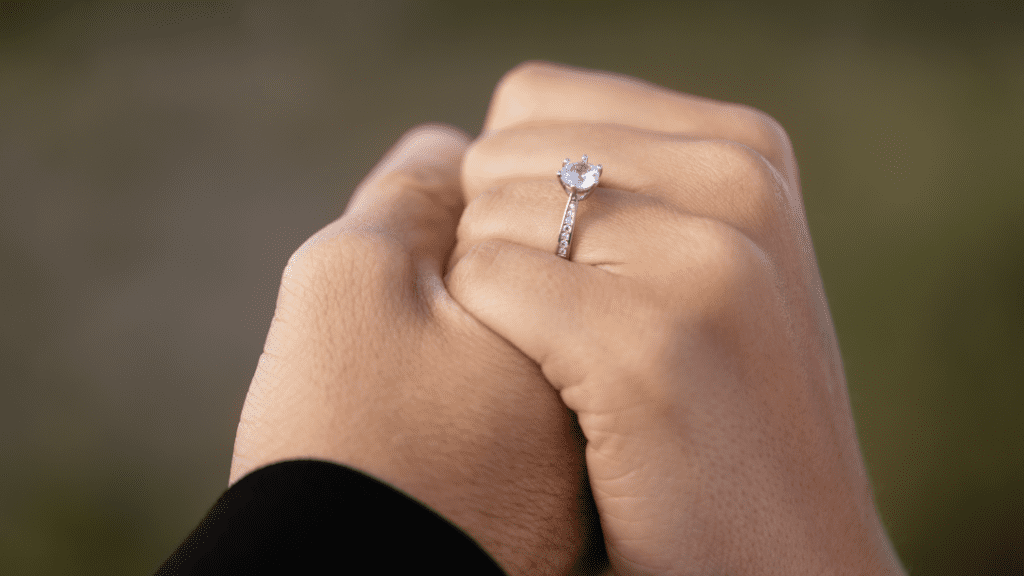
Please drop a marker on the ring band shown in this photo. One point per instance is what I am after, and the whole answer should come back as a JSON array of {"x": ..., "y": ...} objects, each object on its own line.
[
  {"x": 568, "y": 223},
  {"x": 577, "y": 179}
]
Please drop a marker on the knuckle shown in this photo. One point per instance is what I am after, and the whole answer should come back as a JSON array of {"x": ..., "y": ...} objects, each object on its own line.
[
  {"x": 739, "y": 163},
  {"x": 404, "y": 178},
  {"x": 335, "y": 265},
  {"x": 765, "y": 133},
  {"x": 754, "y": 190},
  {"x": 523, "y": 77},
  {"x": 518, "y": 91},
  {"x": 434, "y": 134},
  {"x": 425, "y": 157}
]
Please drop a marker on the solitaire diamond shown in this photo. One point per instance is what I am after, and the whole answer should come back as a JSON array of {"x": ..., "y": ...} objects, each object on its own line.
[{"x": 580, "y": 176}]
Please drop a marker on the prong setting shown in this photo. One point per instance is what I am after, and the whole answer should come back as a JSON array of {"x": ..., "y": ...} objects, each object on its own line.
[{"x": 580, "y": 177}]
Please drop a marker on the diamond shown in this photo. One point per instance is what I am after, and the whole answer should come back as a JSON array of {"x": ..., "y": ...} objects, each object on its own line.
[{"x": 580, "y": 175}]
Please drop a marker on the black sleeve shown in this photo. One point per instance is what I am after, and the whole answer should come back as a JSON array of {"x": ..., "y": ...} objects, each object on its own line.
[{"x": 318, "y": 517}]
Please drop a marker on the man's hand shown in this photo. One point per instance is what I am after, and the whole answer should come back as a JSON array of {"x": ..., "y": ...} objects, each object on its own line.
[
  {"x": 370, "y": 363},
  {"x": 689, "y": 333}
]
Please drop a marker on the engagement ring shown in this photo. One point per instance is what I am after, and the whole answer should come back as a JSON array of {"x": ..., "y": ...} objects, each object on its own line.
[{"x": 577, "y": 179}]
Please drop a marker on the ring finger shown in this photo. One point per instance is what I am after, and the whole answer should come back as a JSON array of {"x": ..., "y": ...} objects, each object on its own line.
[
  {"x": 644, "y": 172},
  {"x": 615, "y": 229}
]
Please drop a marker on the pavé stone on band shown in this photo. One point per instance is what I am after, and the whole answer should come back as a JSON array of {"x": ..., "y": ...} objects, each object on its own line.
[{"x": 577, "y": 179}]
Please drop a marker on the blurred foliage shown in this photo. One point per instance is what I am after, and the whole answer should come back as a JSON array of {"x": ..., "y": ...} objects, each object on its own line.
[{"x": 160, "y": 161}]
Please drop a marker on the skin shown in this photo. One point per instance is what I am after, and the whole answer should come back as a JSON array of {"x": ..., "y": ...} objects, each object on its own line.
[
  {"x": 689, "y": 332},
  {"x": 370, "y": 363},
  {"x": 430, "y": 338}
]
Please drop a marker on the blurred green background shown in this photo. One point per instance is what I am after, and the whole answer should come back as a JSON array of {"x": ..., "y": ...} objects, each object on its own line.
[{"x": 160, "y": 161}]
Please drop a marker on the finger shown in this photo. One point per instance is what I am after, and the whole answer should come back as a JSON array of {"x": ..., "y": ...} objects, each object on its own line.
[
  {"x": 413, "y": 195},
  {"x": 541, "y": 92},
  {"x": 617, "y": 230},
  {"x": 552, "y": 309},
  {"x": 716, "y": 179},
  {"x": 604, "y": 340},
  {"x": 601, "y": 340}
]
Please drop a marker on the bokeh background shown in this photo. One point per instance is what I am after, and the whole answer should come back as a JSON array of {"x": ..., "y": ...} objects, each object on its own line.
[{"x": 160, "y": 161}]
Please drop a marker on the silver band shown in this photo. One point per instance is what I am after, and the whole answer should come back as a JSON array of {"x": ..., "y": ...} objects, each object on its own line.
[
  {"x": 568, "y": 223},
  {"x": 577, "y": 180}
]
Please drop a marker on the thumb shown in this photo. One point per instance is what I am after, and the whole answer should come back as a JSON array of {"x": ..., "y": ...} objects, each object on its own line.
[
  {"x": 565, "y": 316},
  {"x": 413, "y": 195}
]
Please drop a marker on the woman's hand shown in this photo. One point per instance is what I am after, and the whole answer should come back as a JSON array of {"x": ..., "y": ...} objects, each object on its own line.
[
  {"x": 370, "y": 363},
  {"x": 689, "y": 333}
]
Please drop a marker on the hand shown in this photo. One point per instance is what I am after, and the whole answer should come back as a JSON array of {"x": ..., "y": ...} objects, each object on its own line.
[
  {"x": 689, "y": 333},
  {"x": 370, "y": 363}
]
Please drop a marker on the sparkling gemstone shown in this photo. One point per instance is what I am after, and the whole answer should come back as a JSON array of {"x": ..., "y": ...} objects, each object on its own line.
[
  {"x": 564, "y": 243},
  {"x": 566, "y": 229},
  {"x": 579, "y": 175}
]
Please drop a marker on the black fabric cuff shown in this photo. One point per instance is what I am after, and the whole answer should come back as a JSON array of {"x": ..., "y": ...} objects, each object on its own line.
[{"x": 326, "y": 518}]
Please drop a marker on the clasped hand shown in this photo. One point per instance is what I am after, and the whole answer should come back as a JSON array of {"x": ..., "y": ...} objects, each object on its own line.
[{"x": 680, "y": 373}]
